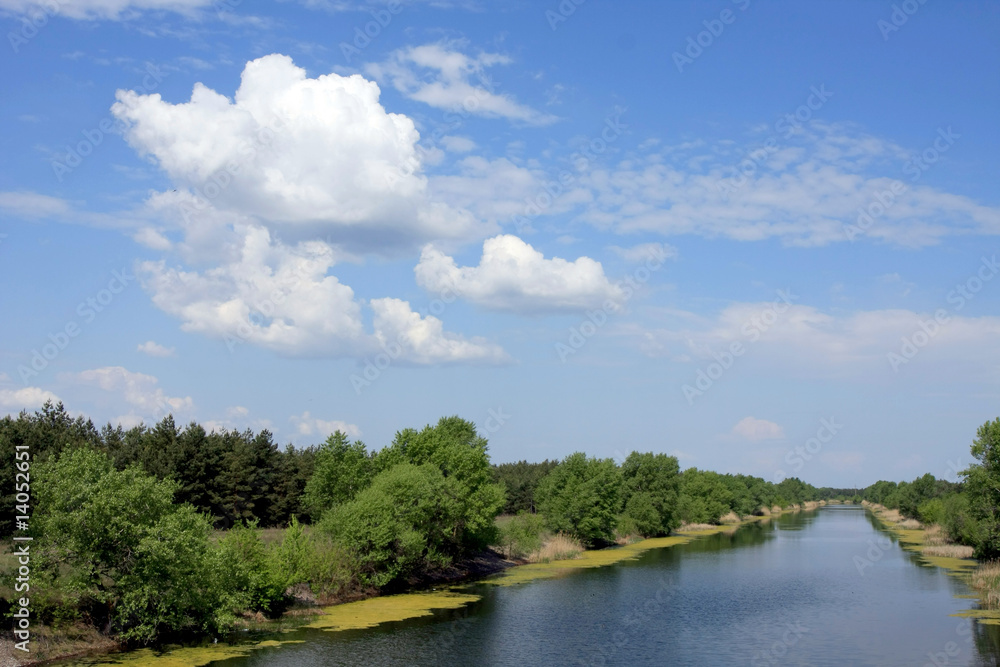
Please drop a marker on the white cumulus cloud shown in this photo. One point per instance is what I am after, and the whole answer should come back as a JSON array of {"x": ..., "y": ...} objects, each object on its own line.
[
  {"x": 756, "y": 430},
  {"x": 423, "y": 340},
  {"x": 311, "y": 157},
  {"x": 282, "y": 298},
  {"x": 28, "y": 398},
  {"x": 513, "y": 276}
]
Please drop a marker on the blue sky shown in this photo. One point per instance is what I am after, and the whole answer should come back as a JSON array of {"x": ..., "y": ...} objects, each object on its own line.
[{"x": 760, "y": 236}]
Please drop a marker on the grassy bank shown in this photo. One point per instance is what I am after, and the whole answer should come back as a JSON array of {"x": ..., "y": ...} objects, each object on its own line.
[{"x": 934, "y": 548}]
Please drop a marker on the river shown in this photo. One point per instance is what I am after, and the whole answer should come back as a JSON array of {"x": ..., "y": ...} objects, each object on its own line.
[{"x": 825, "y": 587}]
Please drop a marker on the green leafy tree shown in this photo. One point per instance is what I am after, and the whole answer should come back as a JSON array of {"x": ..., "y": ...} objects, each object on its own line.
[
  {"x": 582, "y": 496},
  {"x": 704, "y": 496},
  {"x": 454, "y": 447},
  {"x": 520, "y": 480},
  {"x": 649, "y": 491},
  {"x": 982, "y": 483},
  {"x": 124, "y": 544},
  {"x": 397, "y": 524},
  {"x": 341, "y": 470}
]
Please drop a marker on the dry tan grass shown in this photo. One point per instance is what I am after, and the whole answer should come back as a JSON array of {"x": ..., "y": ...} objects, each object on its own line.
[
  {"x": 731, "y": 517},
  {"x": 889, "y": 515},
  {"x": 934, "y": 537},
  {"x": 810, "y": 505},
  {"x": 775, "y": 509},
  {"x": 765, "y": 511},
  {"x": 986, "y": 580},
  {"x": 949, "y": 551},
  {"x": 689, "y": 527},
  {"x": 557, "y": 547},
  {"x": 909, "y": 524}
]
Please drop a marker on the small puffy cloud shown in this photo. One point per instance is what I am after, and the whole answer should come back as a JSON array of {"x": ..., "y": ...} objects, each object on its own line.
[
  {"x": 27, "y": 398},
  {"x": 101, "y": 9},
  {"x": 756, "y": 430},
  {"x": 441, "y": 76},
  {"x": 154, "y": 349},
  {"x": 307, "y": 425},
  {"x": 139, "y": 393},
  {"x": 311, "y": 157},
  {"x": 423, "y": 340},
  {"x": 513, "y": 276}
]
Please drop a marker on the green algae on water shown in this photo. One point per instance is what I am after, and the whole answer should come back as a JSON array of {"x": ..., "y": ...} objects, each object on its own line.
[
  {"x": 597, "y": 558},
  {"x": 183, "y": 656},
  {"x": 373, "y": 611}
]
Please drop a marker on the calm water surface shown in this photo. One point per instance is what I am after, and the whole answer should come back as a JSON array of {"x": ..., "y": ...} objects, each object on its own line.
[{"x": 785, "y": 592}]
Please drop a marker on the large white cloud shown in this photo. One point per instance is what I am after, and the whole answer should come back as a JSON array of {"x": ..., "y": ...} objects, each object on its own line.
[
  {"x": 282, "y": 298},
  {"x": 311, "y": 157},
  {"x": 441, "y": 76},
  {"x": 513, "y": 276}
]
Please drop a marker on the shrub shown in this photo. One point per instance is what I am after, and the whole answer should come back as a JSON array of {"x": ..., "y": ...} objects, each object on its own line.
[
  {"x": 641, "y": 516},
  {"x": 250, "y": 577},
  {"x": 931, "y": 511},
  {"x": 521, "y": 535},
  {"x": 123, "y": 548},
  {"x": 404, "y": 518}
]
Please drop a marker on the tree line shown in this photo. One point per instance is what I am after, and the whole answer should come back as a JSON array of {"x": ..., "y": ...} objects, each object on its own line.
[
  {"x": 968, "y": 511},
  {"x": 148, "y": 532}
]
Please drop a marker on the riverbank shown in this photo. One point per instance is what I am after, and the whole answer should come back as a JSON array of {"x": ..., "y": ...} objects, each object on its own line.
[
  {"x": 935, "y": 549},
  {"x": 375, "y": 609}
]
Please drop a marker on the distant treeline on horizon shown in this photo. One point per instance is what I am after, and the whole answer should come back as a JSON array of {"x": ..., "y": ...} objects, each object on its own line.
[{"x": 238, "y": 476}]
